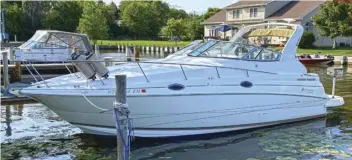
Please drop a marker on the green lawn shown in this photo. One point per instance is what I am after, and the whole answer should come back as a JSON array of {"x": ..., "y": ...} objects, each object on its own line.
[
  {"x": 340, "y": 51},
  {"x": 325, "y": 51},
  {"x": 142, "y": 42}
]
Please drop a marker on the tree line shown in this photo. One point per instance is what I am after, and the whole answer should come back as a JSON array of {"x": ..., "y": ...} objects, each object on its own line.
[{"x": 147, "y": 20}]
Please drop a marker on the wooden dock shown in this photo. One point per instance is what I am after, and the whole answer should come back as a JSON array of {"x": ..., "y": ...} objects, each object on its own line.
[
  {"x": 5, "y": 100},
  {"x": 47, "y": 71}
]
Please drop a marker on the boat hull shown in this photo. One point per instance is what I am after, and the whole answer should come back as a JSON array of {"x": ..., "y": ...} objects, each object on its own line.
[
  {"x": 183, "y": 115},
  {"x": 315, "y": 61}
]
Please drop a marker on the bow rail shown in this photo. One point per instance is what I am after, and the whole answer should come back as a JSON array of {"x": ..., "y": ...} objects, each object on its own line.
[{"x": 216, "y": 67}]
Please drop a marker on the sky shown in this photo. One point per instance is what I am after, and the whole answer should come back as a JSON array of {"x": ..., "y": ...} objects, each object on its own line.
[{"x": 198, "y": 6}]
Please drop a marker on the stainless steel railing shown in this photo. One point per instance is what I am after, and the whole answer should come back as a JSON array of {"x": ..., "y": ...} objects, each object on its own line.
[{"x": 141, "y": 68}]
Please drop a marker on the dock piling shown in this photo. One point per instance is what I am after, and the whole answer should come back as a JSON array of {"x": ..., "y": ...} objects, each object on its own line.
[
  {"x": 96, "y": 49},
  {"x": 128, "y": 54},
  {"x": 108, "y": 61},
  {"x": 344, "y": 60},
  {"x": 17, "y": 73},
  {"x": 136, "y": 51},
  {"x": 162, "y": 53},
  {"x": 121, "y": 116},
  {"x": 11, "y": 54},
  {"x": 5, "y": 68}
]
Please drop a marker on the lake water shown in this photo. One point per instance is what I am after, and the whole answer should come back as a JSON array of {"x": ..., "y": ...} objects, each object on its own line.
[{"x": 32, "y": 131}]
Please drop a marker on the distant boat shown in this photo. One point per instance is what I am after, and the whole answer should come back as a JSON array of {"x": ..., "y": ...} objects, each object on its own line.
[
  {"x": 52, "y": 45},
  {"x": 308, "y": 60}
]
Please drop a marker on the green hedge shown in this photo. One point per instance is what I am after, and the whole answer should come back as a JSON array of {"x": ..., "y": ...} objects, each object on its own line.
[{"x": 307, "y": 40}]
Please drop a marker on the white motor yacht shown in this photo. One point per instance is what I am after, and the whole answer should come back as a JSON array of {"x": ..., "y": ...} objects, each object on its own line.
[
  {"x": 216, "y": 87},
  {"x": 52, "y": 46}
]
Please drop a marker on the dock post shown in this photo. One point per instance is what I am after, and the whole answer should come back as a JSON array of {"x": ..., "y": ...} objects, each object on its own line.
[
  {"x": 108, "y": 61},
  {"x": 344, "y": 60},
  {"x": 121, "y": 116},
  {"x": 157, "y": 51},
  {"x": 128, "y": 54},
  {"x": 167, "y": 49},
  {"x": 96, "y": 49},
  {"x": 162, "y": 53},
  {"x": 5, "y": 68},
  {"x": 11, "y": 55},
  {"x": 16, "y": 76},
  {"x": 172, "y": 50},
  {"x": 136, "y": 51}
]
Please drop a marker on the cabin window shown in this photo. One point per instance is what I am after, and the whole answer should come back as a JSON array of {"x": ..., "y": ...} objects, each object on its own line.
[
  {"x": 263, "y": 55},
  {"x": 253, "y": 12},
  {"x": 236, "y": 14},
  {"x": 221, "y": 49}
]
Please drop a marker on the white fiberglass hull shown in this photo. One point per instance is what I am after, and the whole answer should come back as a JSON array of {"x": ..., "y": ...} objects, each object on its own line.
[
  {"x": 167, "y": 116},
  {"x": 208, "y": 91}
]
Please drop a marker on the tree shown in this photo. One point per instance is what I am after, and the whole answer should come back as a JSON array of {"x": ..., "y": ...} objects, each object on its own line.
[
  {"x": 93, "y": 22},
  {"x": 137, "y": 17},
  {"x": 14, "y": 20},
  {"x": 307, "y": 40},
  {"x": 63, "y": 16},
  {"x": 124, "y": 4},
  {"x": 175, "y": 27},
  {"x": 177, "y": 14},
  {"x": 210, "y": 12},
  {"x": 33, "y": 12},
  {"x": 111, "y": 14},
  {"x": 195, "y": 29},
  {"x": 160, "y": 13},
  {"x": 334, "y": 19},
  {"x": 144, "y": 19}
]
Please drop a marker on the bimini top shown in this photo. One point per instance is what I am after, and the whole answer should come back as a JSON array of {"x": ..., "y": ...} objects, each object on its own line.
[
  {"x": 271, "y": 32},
  {"x": 53, "y": 39}
]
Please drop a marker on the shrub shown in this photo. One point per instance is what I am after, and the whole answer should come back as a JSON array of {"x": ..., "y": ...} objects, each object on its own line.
[{"x": 307, "y": 40}]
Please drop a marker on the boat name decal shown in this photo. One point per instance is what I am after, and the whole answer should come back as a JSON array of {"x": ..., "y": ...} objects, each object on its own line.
[
  {"x": 112, "y": 92},
  {"x": 306, "y": 79},
  {"x": 307, "y": 90}
]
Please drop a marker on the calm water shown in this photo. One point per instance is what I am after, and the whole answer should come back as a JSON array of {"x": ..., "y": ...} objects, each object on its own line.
[{"x": 32, "y": 131}]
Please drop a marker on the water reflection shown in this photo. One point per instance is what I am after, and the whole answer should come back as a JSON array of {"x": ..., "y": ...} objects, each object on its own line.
[
  {"x": 33, "y": 131},
  {"x": 19, "y": 109},
  {"x": 8, "y": 121}
]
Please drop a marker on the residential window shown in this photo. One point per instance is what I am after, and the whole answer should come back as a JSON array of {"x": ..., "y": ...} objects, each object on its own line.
[
  {"x": 236, "y": 14},
  {"x": 253, "y": 12}
]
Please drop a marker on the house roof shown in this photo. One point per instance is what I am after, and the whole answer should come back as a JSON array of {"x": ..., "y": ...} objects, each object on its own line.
[
  {"x": 295, "y": 9},
  {"x": 219, "y": 17},
  {"x": 246, "y": 3}
]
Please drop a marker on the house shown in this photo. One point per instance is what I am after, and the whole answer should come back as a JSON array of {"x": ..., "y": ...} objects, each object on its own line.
[{"x": 246, "y": 12}]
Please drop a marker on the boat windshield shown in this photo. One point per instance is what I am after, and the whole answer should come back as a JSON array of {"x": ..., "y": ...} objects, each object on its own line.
[
  {"x": 224, "y": 49},
  {"x": 187, "y": 49},
  {"x": 47, "y": 40}
]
